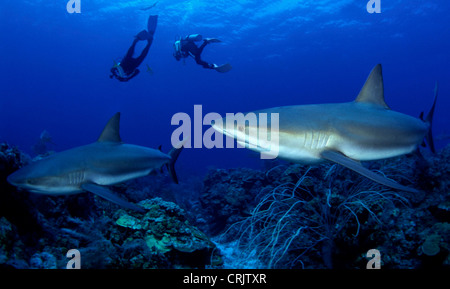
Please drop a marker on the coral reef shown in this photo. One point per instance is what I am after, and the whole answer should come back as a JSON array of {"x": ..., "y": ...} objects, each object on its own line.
[
  {"x": 328, "y": 217},
  {"x": 229, "y": 194},
  {"x": 168, "y": 233},
  {"x": 288, "y": 216}
]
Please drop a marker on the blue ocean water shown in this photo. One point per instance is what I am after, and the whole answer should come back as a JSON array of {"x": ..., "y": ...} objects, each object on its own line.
[
  {"x": 55, "y": 65},
  {"x": 55, "y": 79}
]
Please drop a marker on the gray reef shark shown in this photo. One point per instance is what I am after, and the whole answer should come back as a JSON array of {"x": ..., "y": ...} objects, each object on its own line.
[
  {"x": 90, "y": 168},
  {"x": 345, "y": 133}
]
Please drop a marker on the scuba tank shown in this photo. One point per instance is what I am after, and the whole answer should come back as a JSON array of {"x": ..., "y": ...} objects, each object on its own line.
[
  {"x": 119, "y": 70},
  {"x": 177, "y": 46},
  {"x": 177, "y": 49},
  {"x": 194, "y": 37}
]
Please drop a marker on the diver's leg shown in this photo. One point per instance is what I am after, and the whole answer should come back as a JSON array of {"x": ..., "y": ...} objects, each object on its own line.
[
  {"x": 203, "y": 63},
  {"x": 144, "y": 52},
  {"x": 198, "y": 57},
  {"x": 200, "y": 49},
  {"x": 130, "y": 51}
]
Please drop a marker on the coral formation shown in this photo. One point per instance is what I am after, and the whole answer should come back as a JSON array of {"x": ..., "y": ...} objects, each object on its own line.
[
  {"x": 328, "y": 217},
  {"x": 229, "y": 194},
  {"x": 166, "y": 231},
  {"x": 288, "y": 216},
  {"x": 431, "y": 245}
]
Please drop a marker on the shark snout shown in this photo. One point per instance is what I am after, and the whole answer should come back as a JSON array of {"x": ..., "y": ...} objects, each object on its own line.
[
  {"x": 15, "y": 179},
  {"x": 217, "y": 124},
  {"x": 21, "y": 179}
]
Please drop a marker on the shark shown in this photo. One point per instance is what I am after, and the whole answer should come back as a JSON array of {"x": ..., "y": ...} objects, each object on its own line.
[
  {"x": 93, "y": 167},
  {"x": 364, "y": 129}
]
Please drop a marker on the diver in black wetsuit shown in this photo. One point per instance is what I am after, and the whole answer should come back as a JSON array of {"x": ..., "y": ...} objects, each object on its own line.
[
  {"x": 186, "y": 47},
  {"x": 128, "y": 67}
]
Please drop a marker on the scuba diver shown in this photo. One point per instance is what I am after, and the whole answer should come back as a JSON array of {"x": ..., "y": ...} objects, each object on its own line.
[
  {"x": 186, "y": 47},
  {"x": 128, "y": 67}
]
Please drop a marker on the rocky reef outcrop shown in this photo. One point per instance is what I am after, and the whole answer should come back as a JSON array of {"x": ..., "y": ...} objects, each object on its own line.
[
  {"x": 326, "y": 216},
  {"x": 287, "y": 216}
]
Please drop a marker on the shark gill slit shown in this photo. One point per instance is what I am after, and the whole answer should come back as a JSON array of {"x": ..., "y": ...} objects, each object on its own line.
[
  {"x": 76, "y": 178},
  {"x": 320, "y": 139},
  {"x": 315, "y": 140},
  {"x": 326, "y": 139},
  {"x": 323, "y": 140},
  {"x": 71, "y": 178},
  {"x": 307, "y": 141},
  {"x": 311, "y": 144}
]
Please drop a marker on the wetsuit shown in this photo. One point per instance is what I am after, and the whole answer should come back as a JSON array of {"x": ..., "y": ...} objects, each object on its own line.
[
  {"x": 188, "y": 47},
  {"x": 129, "y": 65}
]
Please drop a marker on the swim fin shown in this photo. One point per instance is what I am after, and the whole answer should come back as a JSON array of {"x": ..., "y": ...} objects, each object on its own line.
[
  {"x": 143, "y": 35},
  {"x": 223, "y": 68},
  {"x": 151, "y": 24}
]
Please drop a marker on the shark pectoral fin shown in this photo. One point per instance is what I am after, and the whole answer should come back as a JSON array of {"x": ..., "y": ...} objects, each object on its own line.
[
  {"x": 357, "y": 167},
  {"x": 110, "y": 196}
]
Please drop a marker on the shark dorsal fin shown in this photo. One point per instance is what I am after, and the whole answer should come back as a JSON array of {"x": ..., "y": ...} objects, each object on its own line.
[
  {"x": 373, "y": 90},
  {"x": 111, "y": 131}
]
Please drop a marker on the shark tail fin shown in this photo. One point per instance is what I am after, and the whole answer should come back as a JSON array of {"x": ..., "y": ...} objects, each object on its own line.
[
  {"x": 174, "y": 153},
  {"x": 429, "y": 120}
]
